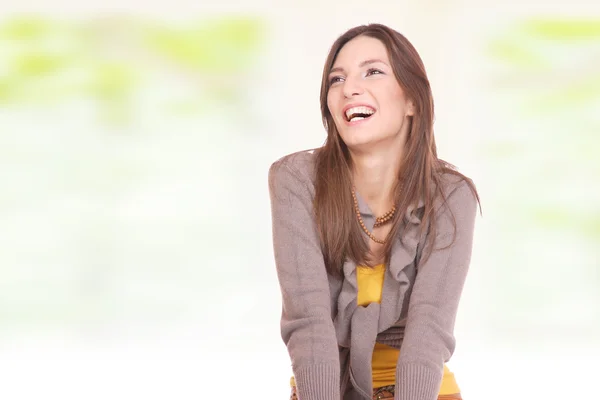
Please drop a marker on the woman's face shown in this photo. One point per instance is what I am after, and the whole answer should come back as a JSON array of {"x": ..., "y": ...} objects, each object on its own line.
[{"x": 367, "y": 104}]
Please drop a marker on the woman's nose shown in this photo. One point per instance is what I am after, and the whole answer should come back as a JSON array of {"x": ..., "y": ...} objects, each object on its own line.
[{"x": 352, "y": 87}]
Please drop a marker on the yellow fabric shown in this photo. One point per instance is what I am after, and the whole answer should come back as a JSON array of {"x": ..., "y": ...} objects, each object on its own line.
[{"x": 370, "y": 285}]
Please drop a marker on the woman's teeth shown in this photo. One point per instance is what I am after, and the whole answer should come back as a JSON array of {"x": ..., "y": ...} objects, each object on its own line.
[{"x": 358, "y": 113}]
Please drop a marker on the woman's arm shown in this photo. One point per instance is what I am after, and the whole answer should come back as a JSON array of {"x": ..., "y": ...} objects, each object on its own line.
[
  {"x": 429, "y": 339},
  {"x": 306, "y": 324}
]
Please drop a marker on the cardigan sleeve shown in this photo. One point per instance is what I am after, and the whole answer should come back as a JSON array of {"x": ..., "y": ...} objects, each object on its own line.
[
  {"x": 306, "y": 323},
  {"x": 429, "y": 334}
]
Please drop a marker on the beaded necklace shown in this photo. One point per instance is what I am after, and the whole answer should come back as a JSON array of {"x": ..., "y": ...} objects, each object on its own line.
[{"x": 378, "y": 220}]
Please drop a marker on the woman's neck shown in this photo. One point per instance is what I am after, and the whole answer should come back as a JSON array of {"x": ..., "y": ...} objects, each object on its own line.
[{"x": 375, "y": 178}]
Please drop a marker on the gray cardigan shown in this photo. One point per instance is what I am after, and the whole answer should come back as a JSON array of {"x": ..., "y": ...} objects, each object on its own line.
[{"x": 329, "y": 337}]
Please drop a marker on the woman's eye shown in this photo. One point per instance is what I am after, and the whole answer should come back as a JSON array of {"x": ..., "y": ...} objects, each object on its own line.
[
  {"x": 374, "y": 71},
  {"x": 335, "y": 79}
]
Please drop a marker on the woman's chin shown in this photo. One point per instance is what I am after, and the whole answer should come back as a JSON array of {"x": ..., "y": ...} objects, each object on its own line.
[{"x": 358, "y": 140}]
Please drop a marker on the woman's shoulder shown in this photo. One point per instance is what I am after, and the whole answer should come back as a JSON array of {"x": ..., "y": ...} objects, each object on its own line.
[
  {"x": 454, "y": 184},
  {"x": 454, "y": 180},
  {"x": 298, "y": 166}
]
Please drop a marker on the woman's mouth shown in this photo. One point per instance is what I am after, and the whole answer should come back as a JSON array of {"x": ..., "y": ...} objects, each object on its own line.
[{"x": 355, "y": 114}]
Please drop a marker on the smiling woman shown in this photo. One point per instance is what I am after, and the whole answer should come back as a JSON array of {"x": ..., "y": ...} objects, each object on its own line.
[
  {"x": 372, "y": 233},
  {"x": 373, "y": 117}
]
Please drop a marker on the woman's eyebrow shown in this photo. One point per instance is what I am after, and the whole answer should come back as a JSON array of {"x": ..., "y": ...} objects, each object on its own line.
[{"x": 362, "y": 64}]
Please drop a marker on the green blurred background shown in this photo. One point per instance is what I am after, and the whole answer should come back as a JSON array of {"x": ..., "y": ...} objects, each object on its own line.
[{"x": 135, "y": 226}]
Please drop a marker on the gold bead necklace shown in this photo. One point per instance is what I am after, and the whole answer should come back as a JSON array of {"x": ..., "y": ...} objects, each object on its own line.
[{"x": 378, "y": 220}]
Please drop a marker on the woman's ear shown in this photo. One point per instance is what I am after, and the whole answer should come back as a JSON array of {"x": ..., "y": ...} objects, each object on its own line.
[{"x": 410, "y": 109}]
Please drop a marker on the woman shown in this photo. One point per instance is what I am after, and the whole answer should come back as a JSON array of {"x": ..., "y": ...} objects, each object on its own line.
[{"x": 372, "y": 233}]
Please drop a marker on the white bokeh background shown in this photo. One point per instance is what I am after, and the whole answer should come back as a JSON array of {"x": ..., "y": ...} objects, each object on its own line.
[{"x": 136, "y": 257}]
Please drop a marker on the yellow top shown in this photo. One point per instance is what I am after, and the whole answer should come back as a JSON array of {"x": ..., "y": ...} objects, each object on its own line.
[{"x": 370, "y": 285}]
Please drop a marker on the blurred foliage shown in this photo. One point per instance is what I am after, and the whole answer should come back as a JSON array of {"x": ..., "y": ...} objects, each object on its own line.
[
  {"x": 545, "y": 87},
  {"x": 561, "y": 29},
  {"x": 211, "y": 48},
  {"x": 98, "y": 226},
  {"x": 111, "y": 59}
]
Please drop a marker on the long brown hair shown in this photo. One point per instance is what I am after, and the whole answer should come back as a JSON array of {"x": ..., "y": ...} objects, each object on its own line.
[{"x": 421, "y": 170}]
